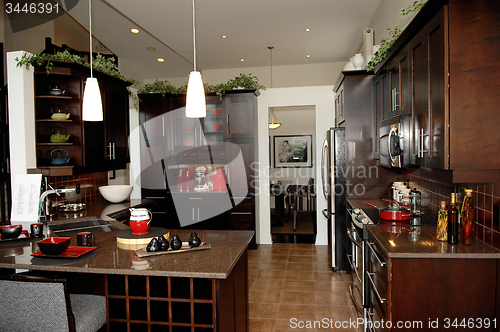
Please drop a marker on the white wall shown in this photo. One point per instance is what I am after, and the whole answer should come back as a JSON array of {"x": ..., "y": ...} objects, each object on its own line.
[
  {"x": 317, "y": 74},
  {"x": 387, "y": 16},
  {"x": 296, "y": 120},
  {"x": 21, "y": 116},
  {"x": 322, "y": 98}
]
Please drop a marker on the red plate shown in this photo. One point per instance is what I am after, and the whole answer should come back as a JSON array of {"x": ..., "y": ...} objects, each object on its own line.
[{"x": 71, "y": 252}]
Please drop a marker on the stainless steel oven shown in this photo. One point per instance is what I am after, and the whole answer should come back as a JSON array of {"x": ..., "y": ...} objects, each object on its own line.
[{"x": 355, "y": 253}]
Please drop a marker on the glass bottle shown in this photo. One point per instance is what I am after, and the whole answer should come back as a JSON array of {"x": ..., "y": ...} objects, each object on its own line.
[
  {"x": 442, "y": 224},
  {"x": 415, "y": 201},
  {"x": 458, "y": 206},
  {"x": 453, "y": 221},
  {"x": 468, "y": 219}
]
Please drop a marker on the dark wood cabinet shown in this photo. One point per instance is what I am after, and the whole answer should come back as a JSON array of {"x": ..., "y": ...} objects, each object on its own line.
[
  {"x": 225, "y": 137},
  {"x": 430, "y": 288},
  {"x": 447, "y": 80},
  {"x": 92, "y": 146}
]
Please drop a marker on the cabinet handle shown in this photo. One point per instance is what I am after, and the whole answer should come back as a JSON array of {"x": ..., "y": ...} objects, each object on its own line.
[
  {"x": 241, "y": 213},
  {"x": 198, "y": 214},
  {"x": 111, "y": 147},
  {"x": 395, "y": 105},
  {"x": 375, "y": 254},
  {"x": 109, "y": 151},
  {"x": 114, "y": 151},
  {"x": 369, "y": 275},
  {"x": 421, "y": 150},
  {"x": 193, "y": 213},
  {"x": 163, "y": 125},
  {"x": 228, "y": 128},
  {"x": 195, "y": 198}
]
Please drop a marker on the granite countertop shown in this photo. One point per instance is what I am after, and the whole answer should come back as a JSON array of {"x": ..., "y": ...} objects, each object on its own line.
[
  {"x": 111, "y": 257},
  {"x": 420, "y": 242}
]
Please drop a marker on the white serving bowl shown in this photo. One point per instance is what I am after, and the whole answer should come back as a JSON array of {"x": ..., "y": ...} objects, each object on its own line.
[{"x": 116, "y": 193}]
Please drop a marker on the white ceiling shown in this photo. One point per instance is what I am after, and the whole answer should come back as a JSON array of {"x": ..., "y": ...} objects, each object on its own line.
[{"x": 251, "y": 26}]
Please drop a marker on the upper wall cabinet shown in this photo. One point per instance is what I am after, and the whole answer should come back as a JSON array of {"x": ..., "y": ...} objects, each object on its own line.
[
  {"x": 447, "y": 78},
  {"x": 65, "y": 144}
]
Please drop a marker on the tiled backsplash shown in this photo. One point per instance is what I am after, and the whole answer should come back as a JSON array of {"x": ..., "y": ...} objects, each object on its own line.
[
  {"x": 89, "y": 187},
  {"x": 434, "y": 191}
]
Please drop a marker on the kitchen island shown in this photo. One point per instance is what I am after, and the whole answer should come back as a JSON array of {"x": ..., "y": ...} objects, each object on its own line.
[{"x": 205, "y": 290}]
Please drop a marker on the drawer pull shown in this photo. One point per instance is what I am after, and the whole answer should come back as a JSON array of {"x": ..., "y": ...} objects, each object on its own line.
[
  {"x": 375, "y": 288},
  {"x": 155, "y": 197},
  {"x": 195, "y": 197},
  {"x": 375, "y": 254},
  {"x": 245, "y": 213}
]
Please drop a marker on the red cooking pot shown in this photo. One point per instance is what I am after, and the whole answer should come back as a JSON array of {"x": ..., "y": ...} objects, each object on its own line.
[{"x": 393, "y": 212}]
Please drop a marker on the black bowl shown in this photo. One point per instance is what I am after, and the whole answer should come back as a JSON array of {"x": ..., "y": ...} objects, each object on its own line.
[
  {"x": 11, "y": 231},
  {"x": 54, "y": 245}
]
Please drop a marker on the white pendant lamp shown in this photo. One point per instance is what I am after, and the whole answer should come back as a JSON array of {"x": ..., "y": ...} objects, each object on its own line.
[
  {"x": 195, "y": 98},
  {"x": 92, "y": 104},
  {"x": 274, "y": 123}
]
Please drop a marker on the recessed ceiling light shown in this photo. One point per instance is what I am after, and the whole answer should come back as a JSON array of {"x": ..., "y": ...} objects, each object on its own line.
[
  {"x": 308, "y": 56},
  {"x": 242, "y": 60},
  {"x": 151, "y": 48},
  {"x": 224, "y": 36},
  {"x": 134, "y": 30},
  {"x": 307, "y": 30},
  {"x": 160, "y": 60}
]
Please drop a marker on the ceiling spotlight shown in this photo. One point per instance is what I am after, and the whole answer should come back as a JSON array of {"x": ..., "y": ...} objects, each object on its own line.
[
  {"x": 242, "y": 60},
  {"x": 151, "y": 48},
  {"x": 308, "y": 56},
  {"x": 224, "y": 36},
  {"x": 160, "y": 60},
  {"x": 134, "y": 30},
  {"x": 307, "y": 30}
]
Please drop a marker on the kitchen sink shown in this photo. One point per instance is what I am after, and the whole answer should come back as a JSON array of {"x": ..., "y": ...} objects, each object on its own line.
[{"x": 92, "y": 225}]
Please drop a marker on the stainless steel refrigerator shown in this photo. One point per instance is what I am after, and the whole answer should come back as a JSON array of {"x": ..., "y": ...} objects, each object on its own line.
[{"x": 333, "y": 176}]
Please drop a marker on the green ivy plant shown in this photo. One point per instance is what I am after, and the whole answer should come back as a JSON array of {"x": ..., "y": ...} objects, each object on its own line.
[
  {"x": 243, "y": 81},
  {"x": 414, "y": 7},
  {"x": 99, "y": 63},
  {"x": 385, "y": 44}
]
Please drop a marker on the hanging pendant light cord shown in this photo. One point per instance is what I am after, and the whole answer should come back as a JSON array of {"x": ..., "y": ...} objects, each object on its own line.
[
  {"x": 271, "y": 52},
  {"x": 194, "y": 39},
  {"x": 90, "y": 31}
]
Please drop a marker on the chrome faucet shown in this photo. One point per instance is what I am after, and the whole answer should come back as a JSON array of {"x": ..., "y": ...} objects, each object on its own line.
[{"x": 42, "y": 211}]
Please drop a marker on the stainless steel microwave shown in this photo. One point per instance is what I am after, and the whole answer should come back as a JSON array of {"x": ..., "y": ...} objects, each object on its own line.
[{"x": 395, "y": 140}]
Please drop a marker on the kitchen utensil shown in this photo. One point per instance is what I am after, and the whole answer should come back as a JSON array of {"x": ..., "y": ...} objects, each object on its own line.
[
  {"x": 11, "y": 231},
  {"x": 140, "y": 219},
  {"x": 59, "y": 161},
  {"x": 56, "y": 89},
  {"x": 85, "y": 239},
  {"x": 54, "y": 245},
  {"x": 57, "y": 114},
  {"x": 36, "y": 230},
  {"x": 393, "y": 212},
  {"x": 58, "y": 137}
]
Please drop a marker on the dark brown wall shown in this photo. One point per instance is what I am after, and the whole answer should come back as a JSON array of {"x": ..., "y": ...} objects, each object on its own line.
[{"x": 436, "y": 186}]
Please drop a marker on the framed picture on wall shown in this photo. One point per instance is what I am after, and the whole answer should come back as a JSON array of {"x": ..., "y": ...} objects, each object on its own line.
[{"x": 293, "y": 151}]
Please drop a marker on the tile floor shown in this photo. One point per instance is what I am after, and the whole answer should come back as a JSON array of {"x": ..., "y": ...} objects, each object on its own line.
[{"x": 290, "y": 283}]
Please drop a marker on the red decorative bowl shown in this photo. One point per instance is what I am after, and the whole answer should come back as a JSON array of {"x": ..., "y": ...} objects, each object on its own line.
[
  {"x": 216, "y": 126},
  {"x": 54, "y": 245},
  {"x": 189, "y": 128},
  {"x": 217, "y": 112},
  {"x": 11, "y": 231}
]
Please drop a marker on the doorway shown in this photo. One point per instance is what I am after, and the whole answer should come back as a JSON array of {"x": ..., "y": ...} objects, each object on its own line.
[{"x": 292, "y": 174}]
